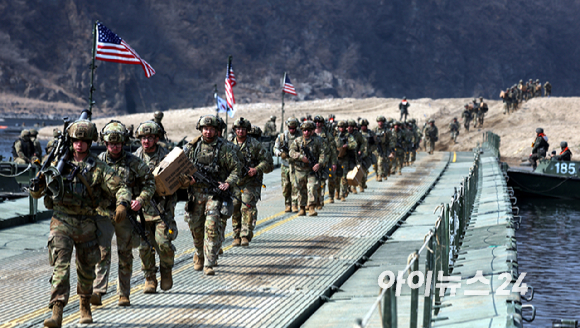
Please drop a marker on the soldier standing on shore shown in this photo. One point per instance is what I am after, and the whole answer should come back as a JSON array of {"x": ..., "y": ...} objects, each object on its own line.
[
  {"x": 204, "y": 211},
  {"x": 136, "y": 175},
  {"x": 149, "y": 133},
  {"x": 547, "y": 89},
  {"x": 255, "y": 163},
  {"x": 306, "y": 180},
  {"x": 431, "y": 135},
  {"x": 282, "y": 150},
  {"x": 346, "y": 146},
  {"x": 466, "y": 116},
  {"x": 73, "y": 221},
  {"x": 404, "y": 108},
  {"x": 454, "y": 129}
]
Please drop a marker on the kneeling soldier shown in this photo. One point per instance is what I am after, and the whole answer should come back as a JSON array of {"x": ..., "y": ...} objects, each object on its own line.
[
  {"x": 139, "y": 179},
  {"x": 306, "y": 180},
  {"x": 73, "y": 220}
]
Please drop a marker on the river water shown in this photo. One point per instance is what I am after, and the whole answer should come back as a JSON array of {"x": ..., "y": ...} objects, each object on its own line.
[{"x": 548, "y": 253}]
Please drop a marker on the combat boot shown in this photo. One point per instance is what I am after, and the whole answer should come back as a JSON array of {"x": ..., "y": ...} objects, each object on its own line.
[
  {"x": 96, "y": 299},
  {"x": 150, "y": 285},
  {"x": 56, "y": 319},
  {"x": 343, "y": 199},
  {"x": 331, "y": 200},
  {"x": 353, "y": 189},
  {"x": 221, "y": 251},
  {"x": 236, "y": 242},
  {"x": 124, "y": 301},
  {"x": 245, "y": 242},
  {"x": 362, "y": 189},
  {"x": 86, "y": 315},
  {"x": 208, "y": 271},
  {"x": 302, "y": 211},
  {"x": 311, "y": 211},
  {"x": 288, "y": 209},
  {"x": 379, "y": 178},
  {"x": 294, "y": 209},
  {"x": 336, "y": 195},
  {"x": 166, "y": 278},
  {"x": 197, "y": 262}
]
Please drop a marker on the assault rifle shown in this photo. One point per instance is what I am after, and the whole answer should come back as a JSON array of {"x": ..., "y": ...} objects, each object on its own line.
[
  {"x": 202, "y": 176},
  {"x": 161, "y": 215},
  {"x": 139, "y": 226},
  {"x": 312, "y": 161},
  {"x": 62, "y": 154}
]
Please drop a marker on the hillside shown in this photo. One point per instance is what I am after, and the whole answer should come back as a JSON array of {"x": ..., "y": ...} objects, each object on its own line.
[
  {"x": 558, "y": 116},
  {"x": 332, "y": 49}
]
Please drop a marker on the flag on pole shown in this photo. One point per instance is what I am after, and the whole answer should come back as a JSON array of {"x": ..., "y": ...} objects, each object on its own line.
[
  {"x": 110, "y": 47},
  {"x": 289, "y": 87},
  {"x": 229, "y": 84},
  {"x": 222, "y": 105}
]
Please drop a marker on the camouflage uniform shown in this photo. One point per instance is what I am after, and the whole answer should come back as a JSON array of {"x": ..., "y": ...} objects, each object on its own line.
[
  {"x": 431, "y": 135},
  {"x": 248, "y": 188},
  {"x": 346, "y": 160},
  {"x": 385, "y": 142},
  {"x": 306, "y": 181},
  {"x": 24, "y": 148},
  {"x": 270, "y": 127},
  {"x": 361, "y": 146},
  {"x": 331, "y": 159},
  {"x": 37, "y": 146},
  {"x": 154, "y": 225},
  {"x": 287, "y": 168},
  {"x": 547, "y": 89},
  {"x": 73, "y": 221},
  {"x": 371, "y": 141},
  {"x": 203, "y": 214},
  {"x": 466, "y": 116},
  {"x": 418, "y": 135},
  {"x": 51, "y": 144},
  {"x": 454, "y": 130},
  {"x": 139, "y": 179},
  {"x": 409, "y": 141},
  {"x": 399, "y": 141}
]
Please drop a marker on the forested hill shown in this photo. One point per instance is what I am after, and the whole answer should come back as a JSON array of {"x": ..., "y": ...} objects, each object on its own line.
[{"x": 437, "y": 48}]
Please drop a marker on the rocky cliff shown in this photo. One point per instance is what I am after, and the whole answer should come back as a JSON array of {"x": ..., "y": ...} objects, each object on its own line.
[{"x": 436, "y": 48}]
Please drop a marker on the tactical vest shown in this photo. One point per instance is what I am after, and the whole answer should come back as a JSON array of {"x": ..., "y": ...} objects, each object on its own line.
[{"x": 206, "y": 156}]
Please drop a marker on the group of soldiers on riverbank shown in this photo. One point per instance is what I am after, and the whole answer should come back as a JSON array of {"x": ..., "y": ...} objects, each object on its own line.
[{"x": 515, "y": 95}]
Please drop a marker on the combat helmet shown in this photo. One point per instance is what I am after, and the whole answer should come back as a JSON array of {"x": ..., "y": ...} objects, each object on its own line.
[
  {"x": 242, "y": 123},
  {"x": 364, "y": 122},
  {"x": 292, "y": 123},
  {"x": 208, "y": 120},
  {"x": 33, "y": 132},
  {"x": 255, "y": 131},
  {"x": 114, "y": 131},
  {"x": 539, "y": 130},
  {"x": 158, "y": 115},
  {"x": 318, "y": 118},
  {"x": 563, "y": 144},
  {"x": 83, "y": 130},
  {"x": 431, "y": 120},
  {"x": 342, "y": 124},
  {"x": 413, "y": 121},
  {"x": 55, "y": 133},
  {"x": 307, "y": 125},
  {"x": 381, "y": 118},
  {"x": 273, "y": 118},
  {"x": 537, "y": 80},
  {"x": 25, "y": 133},
  {"x": 221, "y": 123},
  {"x": 352, "y": 123},
  {"x": 148, "y": 128}
]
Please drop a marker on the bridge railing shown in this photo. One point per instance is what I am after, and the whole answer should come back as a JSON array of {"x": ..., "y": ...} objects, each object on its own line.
[
  {"x": 492, "y": 141},
  {"x": 441, "y": 246}
]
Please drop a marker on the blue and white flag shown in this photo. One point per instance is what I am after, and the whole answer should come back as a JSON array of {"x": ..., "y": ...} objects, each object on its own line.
[{"x": 223, "y": 107}]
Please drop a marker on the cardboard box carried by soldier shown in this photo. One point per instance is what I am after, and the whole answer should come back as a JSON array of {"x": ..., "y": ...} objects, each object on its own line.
[
  {"x": 354, "y": 177},
  {"x": 167, "y": 173}
]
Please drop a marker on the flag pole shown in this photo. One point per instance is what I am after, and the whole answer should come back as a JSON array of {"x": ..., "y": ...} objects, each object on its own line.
[
  {"x": 217, "y": 105},
  {"x": 93, "y": 67},
  {"x": 282, "y": 110}
]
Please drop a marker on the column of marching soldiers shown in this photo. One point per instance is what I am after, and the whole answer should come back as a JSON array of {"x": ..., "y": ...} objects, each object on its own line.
[
  {"x": 515, "y": 95},
  {"x": 105, "y": 195}
]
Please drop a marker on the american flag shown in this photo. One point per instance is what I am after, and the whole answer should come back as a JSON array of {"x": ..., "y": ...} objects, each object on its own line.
[
  {"x": 288, "y": 86},
  {"x": 110, "y": 47},
  {"x": 229, "y": 83}
]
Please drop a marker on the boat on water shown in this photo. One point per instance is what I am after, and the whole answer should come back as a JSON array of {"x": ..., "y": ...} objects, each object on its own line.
[{"x": 557, "y": 179}]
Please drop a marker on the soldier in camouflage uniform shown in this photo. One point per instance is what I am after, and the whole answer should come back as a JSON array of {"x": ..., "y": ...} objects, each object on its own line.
[
  {"x": 399, "y": 140},
  {"x": 431, "y": 135},
  {"x": 547, "y": 89},
  {"x": 383, "y": 148},
  {"x": 371, "y": 140},
  {"x": 466, "y": 116},
  {"x": 52, "y": 143},
  {"x": 346, "y": 146},
  {"x": 409, "y": 142},
  {"x": 73, "y": 220},
  {"x": 161, "y": 234},
  {"x": 136, "y": 175},
  {"x": 418, "y": 135},
  {"x": 332, "y": 161},
  {"x": 37, "y": 146},
  {"x": 282, "y": 149},
  {"x": 454, "y": 129},
  {"x": 270, "y": 127},
  {"x": 204, "y": 211},
  {"x": 255, "y": 163},
  {"x": 361, "y": 149},
  {"x": 24, "y": 149},
  {"x": 306, "y": 180}
]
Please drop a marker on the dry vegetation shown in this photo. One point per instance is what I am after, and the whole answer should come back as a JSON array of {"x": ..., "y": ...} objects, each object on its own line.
[{"x": 558, "y": 117}]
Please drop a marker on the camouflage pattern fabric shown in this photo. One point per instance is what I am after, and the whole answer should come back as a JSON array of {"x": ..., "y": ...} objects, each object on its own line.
[
  {"x": 386, "y": 142},
  {"x": 399, "y": 137},
  {"x": 286, "y": 185},
  {"x": 368, "y": 135},
  {"x": 287, "y": 167},
  {"x": 245, "y": 216},
  {"x": 454, "y": 130},
  {"x": 306, "y": 182},
  {"x": 345, "y": 163},
  {"x": 270, "y": 129},
  {"x": 73, "y": 225},
  {"x": 332, "y": 159},
  {"x": 25, "y": 150},
  {"x": 137, "y": 176},
  {"x": 204, "y": 222},
  {"x": 431, "y": 135}
]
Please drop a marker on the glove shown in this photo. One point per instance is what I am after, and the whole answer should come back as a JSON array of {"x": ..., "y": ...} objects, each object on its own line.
[
  {"x": 120, "y": 213},
  {"x": 184, "y": 181},
  {"x": 284, "y": 155}
]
